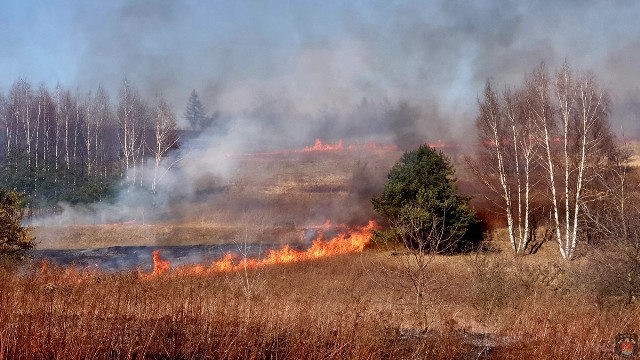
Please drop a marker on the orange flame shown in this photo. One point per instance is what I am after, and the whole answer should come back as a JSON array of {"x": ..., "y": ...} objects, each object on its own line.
[
  {"x": 342, "y": 243},
  {"x": 159, "y": 265},
  {"x": 371, "y": 146},
  {"x": 44, "y": 266},
  {"x": 326, "y": 225},
  {"x": 71, "y": 274},
  {"x": 320, "y": 146}
]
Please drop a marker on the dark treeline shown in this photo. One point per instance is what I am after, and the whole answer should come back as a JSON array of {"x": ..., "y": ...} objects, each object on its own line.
[{"x": 58, "y": 145}]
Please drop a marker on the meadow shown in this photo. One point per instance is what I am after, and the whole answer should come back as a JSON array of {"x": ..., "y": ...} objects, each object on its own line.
[
  {"x": 350, "y": 306},
  {"x": 482, "y": 305}
]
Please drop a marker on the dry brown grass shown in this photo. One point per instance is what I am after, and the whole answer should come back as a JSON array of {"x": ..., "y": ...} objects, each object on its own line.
[
  {"x": 283, "y": 193},
  {"x": 478, "y": 306},
  {"x": 98, "y": 236}
]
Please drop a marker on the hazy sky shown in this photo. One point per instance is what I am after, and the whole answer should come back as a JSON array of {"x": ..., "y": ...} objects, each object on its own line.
[{"x": 310, "y": 56}]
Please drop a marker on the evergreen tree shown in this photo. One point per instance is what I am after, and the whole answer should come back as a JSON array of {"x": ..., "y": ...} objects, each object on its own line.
[
  {"x": 195, "y": 113},
  {"x": 14, "y": 238},
  {"x": 420, "y": 199}
]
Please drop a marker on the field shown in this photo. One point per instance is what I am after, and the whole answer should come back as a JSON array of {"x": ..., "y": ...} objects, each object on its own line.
[
  {"x": 278, "y": 195},
  {"x": 349, "y": 306},
  {"x": 485, "y": 305}
]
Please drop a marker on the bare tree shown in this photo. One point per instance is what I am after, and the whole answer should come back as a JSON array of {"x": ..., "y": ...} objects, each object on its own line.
[
  {"x": 507, "y": 160},
  {"x": 104, "y": 126},
  {"x": 612, "y": 226},
  {"x": 424, "y": 237},
  {"x": 91, "y": 130},
  {"x": 610, "y": 216},
  {"x": 78, "y": 133},
  {"x": 48, "y": 126},
  {"x": 125, "y": 119},
  {"x": 8, "y": 121},
  {"x": 58, "y": 125},
  {"x": 65, "y": 118},
  {"x": 583, "y": 135},
  {"x": 20, "y": 129},
  {"x": 132, "y": 118},
  {"x": 63, "y": 136},
  {"x": 96, "y": 122},
  {"x": 4, "y": 122},
  {"x": 3, "y": 110},
  {"x": 43, "y": 101},
  {"x": 164, "y": 136},
  {"x": 561, "y": 128}
]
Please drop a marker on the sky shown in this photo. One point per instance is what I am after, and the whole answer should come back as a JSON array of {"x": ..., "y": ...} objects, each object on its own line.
[{"x": 318, "y": 62}]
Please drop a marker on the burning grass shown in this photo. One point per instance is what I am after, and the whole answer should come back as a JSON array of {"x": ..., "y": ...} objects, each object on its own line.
[
  {"x": 477, "y": 306},
  {"x": 345, "y": 242}
]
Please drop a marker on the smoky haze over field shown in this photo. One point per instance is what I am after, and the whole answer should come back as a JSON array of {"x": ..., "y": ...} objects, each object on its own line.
[
  {"x": 303, "y": 70},
  {"x": 282, "y": 74}
]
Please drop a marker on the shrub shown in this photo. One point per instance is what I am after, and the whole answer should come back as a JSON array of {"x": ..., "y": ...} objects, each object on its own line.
[
  {"x": 613, "y": 271},
  {"x": 421, "y": 194},
  {"x": 14, "y": 238}
]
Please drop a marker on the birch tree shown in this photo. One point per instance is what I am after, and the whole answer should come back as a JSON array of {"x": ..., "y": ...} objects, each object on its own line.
[
  {"x": 104, "y": 125},
  {"x": 58, "y": 126},
  {"x": 46, "y": 106},
  {"x": 575, "y": 136},
  {"x": 65, "y": 113},
  {"x": 78, "y": 131},
  {"x": 164, "y": 136},
  {"x": 20, "y": 130},
  {"x": 97, "y": 116},
  {"x": 583, "y": 120},
  {"x": 609, "y": 216},
  {"x": 42, "y": 100},
  {"x": 131, "y": 117},
  {"x": 559, "y": 126},
  {"x": 505, "y": 132},
  {"x": 55, "y": 143}
]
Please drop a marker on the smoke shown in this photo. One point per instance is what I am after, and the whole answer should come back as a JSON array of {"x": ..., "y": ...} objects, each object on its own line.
[
  {"x": 307, "y": 60},
  {"x": 200, "y": 169},
  {"x": 283, "y": 74}
]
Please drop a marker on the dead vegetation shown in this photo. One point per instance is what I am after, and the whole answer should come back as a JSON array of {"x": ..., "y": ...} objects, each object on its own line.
[
  {"x": 487, "y": 305},
  {"x": 293, "y": 190}
]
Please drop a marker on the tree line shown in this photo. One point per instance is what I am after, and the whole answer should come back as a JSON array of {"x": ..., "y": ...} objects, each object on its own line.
[
  {"x": 551, "y": 160},
  {"x": 62, "y": 145},
  {"x": 553, "y": 167}
]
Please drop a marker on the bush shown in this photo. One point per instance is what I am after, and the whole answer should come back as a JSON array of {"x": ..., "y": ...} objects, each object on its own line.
[
  {"x": 421, "y": 194},
  {"x": 14, "y": 238},
  {"x": 501, "y": 281},
  {"x": 612, "y": 271}
]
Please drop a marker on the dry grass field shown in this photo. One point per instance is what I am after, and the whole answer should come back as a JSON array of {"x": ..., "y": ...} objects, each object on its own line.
[
  {"x": 486, "y": 305},
  {"x": 280, "y": 194},
  {"x": 344, "y": 307}
]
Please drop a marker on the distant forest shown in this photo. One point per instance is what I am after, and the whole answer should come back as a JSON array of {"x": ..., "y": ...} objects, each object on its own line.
[{"x": 57, "y": 145}]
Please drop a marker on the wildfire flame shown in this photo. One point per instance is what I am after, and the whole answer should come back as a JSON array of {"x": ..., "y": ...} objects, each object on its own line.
[
  {"x": 326, "y": 225},
  {"x": 343, "y": 243},
  {"x": 321, "y": 146}
]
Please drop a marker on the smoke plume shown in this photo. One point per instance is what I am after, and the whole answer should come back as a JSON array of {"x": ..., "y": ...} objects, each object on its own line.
[{"x": 281, "y": 75}]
